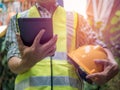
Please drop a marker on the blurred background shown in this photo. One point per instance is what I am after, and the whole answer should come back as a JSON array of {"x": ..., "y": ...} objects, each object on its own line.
[{"x": 102, "y": 15}]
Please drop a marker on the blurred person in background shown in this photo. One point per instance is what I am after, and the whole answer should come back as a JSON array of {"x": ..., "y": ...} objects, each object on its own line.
[{"x": 2, "y": 7}]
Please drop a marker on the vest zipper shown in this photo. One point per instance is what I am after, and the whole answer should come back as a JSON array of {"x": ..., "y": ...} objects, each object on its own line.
[{"x": 51, "y": 67}]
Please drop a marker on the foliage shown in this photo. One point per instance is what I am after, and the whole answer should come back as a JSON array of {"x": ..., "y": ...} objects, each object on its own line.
[
  {"x": 114, "y": 34},
  {"x": 88, "y": 86},
  {"x": 6, "y": 76},
  {"x": 115, "y": 19}
]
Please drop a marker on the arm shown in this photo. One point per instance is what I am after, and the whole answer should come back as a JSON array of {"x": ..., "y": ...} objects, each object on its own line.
[
  {"x": 22, "y": 58},
  {"x": 16, "y": 66},
  {"x": 88, "y": 36},
  {"x": 85, "y": 34}
]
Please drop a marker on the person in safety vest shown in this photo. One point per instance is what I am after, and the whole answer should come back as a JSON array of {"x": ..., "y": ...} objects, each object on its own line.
[{"x": 46, "y": 66}]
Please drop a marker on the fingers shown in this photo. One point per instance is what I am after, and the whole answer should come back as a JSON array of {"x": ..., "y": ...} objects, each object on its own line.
[
  {"x": 103, "y": 62},
  {"x": 100, "y": 77},
  {"x": 93, "y": 76},
  {"x": 52, "y": 52},
  {"x": 107, "y": 65},
  {"x": 105, "y": 75},
  {"x": 97, "y": 78},
  {"x": 46, "y": 49},
  {"x": 51, "y": 43},
  {"x": 50, "y": 46},
  {"x": 38, "y": 38}
]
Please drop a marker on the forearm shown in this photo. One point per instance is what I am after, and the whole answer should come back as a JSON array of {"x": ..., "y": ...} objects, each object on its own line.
[{"x": 18, "y": 66}]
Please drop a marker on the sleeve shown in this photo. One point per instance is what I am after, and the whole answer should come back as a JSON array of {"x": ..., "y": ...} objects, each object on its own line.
[
  {"x": 11, "y": 41},
  {"x": 85, "y": 34}
]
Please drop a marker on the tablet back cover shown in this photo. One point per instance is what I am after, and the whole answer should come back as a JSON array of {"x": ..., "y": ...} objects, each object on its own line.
[{"x": 30, "y": 27}]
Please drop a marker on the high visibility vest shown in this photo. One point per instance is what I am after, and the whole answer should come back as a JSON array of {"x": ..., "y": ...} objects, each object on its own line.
[{"x": 64, "y": 74}]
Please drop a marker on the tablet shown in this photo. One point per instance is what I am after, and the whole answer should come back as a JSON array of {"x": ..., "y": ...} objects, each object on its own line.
[{"x": 30, "y": 27}]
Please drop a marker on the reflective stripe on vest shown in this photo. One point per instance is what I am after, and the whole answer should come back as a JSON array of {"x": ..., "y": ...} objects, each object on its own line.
[
  {"x": 38, "y": 77},
  {"x": 46, "y": 81}
]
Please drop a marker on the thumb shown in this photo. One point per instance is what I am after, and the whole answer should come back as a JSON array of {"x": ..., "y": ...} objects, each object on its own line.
[
  {"x": 101, "y": 62},
  {"x": 105, "y": 63},
  {"x": 38, "y": 37}
]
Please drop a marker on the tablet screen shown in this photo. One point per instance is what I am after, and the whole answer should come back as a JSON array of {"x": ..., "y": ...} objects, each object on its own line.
[{"x": 30, "y": 27}]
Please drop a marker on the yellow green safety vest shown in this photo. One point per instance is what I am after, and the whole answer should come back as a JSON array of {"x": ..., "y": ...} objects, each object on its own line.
[{"x": 64, "y": 74}]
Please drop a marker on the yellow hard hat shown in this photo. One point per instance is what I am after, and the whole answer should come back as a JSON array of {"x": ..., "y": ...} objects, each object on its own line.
[{"x": 84, "y": 57}]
